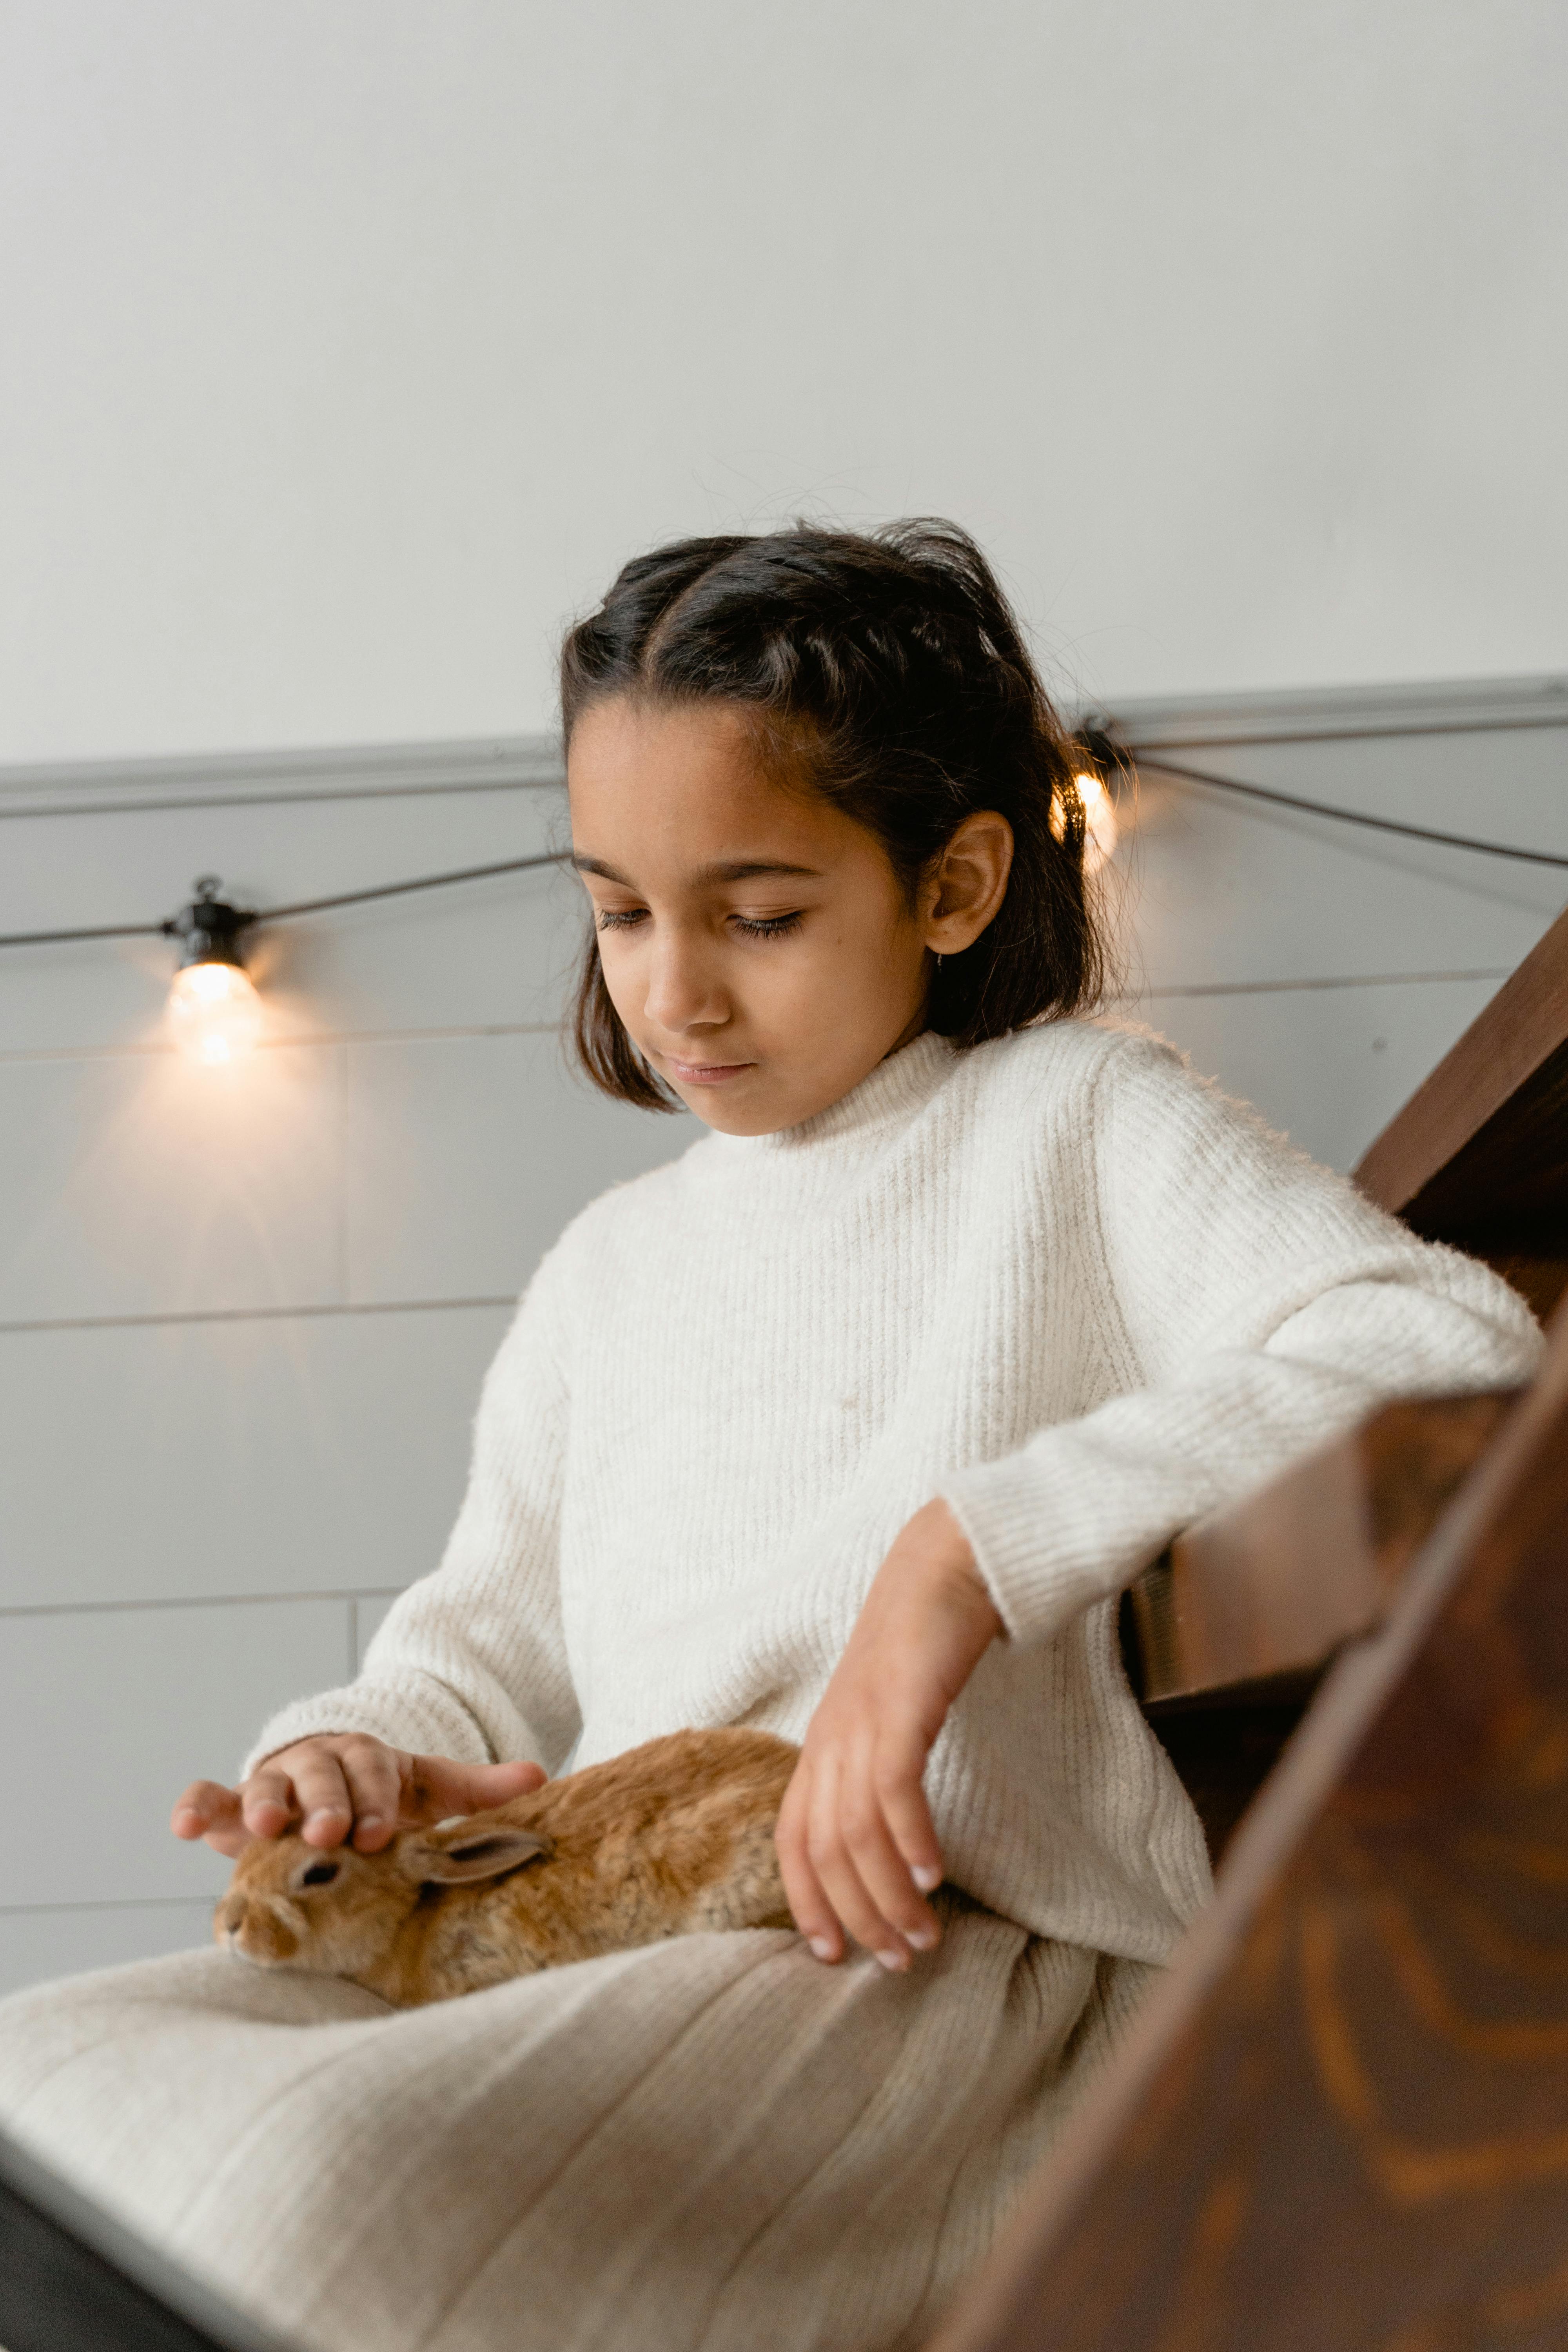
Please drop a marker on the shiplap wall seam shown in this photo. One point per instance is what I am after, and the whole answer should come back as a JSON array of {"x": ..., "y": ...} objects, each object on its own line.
[
  {"x": 110, "y": 1903},
  {"x": 336, "y": 1311},
  {"x": 288, "y": 1043},
  {"x": 350, "y": 1594}
]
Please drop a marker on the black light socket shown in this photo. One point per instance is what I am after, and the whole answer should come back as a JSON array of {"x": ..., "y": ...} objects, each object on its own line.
[{"x": 209, "y": 928}]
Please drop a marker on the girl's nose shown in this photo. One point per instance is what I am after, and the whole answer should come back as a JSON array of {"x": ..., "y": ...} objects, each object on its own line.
[{"x": 682, "y": 987}]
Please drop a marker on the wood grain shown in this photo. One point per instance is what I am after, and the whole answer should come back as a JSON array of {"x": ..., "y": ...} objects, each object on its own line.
[
  {"x": 1227, "y": 1638},
  {"x": 1342, "y": 2124},
  {"x": 1514, "y": 1048}
]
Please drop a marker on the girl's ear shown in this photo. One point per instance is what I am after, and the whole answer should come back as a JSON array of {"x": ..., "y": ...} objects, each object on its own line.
[
  {"x": 969, "y": 881},
  {"x": 458, "y": 1862}
]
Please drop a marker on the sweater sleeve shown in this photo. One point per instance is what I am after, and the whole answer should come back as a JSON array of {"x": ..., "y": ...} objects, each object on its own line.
[
  {"x": 1261, "y": 1305},
  {"x": 470, "y": 1661}
]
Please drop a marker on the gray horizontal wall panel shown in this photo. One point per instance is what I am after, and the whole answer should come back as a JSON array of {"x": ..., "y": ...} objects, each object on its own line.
[
  {"x": 146, "y": 1185},
  {"x": 112, "y": 1712},
  {"x": 1216, "y": 890},
  {"x": 279, "y": 1454},
  {"x": 332, "y": 770},
  {"x": 467, "y": 1156},
  {"x": 1330, "y": 1065},
  {"x": 38, "y": 1945},
  {"x": 1429, "y": 706},
  {"x": 482, "y": 954},
  {"x": 496, "y": 954},
  {"x": 1498, "y": 786}
]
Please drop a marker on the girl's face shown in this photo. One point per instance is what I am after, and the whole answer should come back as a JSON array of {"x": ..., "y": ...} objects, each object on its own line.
[{"x": 755, "y": 942}]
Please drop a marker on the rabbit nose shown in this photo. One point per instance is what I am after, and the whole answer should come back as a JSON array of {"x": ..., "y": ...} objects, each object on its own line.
[{"x": 231, "y": 1914}]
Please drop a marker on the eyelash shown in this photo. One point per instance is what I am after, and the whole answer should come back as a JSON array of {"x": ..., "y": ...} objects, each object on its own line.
[{"x": 771, "y": 927}]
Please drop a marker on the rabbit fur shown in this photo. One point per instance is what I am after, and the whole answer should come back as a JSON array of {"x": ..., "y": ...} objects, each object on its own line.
[{"x": 671, "y": 1837}]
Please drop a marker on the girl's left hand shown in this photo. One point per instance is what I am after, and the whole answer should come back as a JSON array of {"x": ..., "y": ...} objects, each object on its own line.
[{"x": 856, "y": 1843}]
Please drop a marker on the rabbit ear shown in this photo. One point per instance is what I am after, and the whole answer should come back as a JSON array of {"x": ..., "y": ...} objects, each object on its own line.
[{"x": 487, "y": 1855}]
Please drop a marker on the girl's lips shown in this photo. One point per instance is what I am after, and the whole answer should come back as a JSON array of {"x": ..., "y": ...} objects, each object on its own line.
[{"x": 705, "y": 1074}]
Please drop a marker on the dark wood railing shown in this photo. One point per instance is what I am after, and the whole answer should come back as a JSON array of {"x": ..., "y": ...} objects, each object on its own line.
[{"x": 1343, "y": 2121}]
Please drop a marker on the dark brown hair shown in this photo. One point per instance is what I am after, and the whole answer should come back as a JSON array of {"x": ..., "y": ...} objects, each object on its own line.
[{"x": 889, "y": 669}]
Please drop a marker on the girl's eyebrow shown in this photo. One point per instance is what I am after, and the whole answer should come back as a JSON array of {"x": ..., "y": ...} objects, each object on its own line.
[{"x": 730, "y": 869}]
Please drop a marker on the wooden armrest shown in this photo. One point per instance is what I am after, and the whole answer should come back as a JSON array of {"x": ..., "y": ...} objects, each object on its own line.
[
  {"x": 1268, "y": 1591},
  {"x": 1478, "y": 1155}
]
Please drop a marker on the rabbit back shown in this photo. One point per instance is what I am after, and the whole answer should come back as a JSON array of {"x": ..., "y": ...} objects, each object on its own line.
[{"x": 673, "y": 1837}]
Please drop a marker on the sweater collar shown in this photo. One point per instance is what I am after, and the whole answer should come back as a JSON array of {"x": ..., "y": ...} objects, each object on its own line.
[{"x": 884, "y": 1100}]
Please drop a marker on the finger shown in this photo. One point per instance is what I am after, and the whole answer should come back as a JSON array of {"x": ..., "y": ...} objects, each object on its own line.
[
  {"x": 900, "y": 1779},
  {"x": 375, "y": 1787},
  {"x": 322, "y": 1793},
  {"x": 841, "y": 1880},
  {"x": 438, "y": 1787},
  {"x": 204, "y": 1802},
  {"x": 230, "y": 1842},
  {"x": 878, "y": 1865},
  {"x": 267, "y": 1802},
  {"x": 497, "y": 1784},
  {"x": 840, "y": 1883},
  {"x": 208, "y": 1810},
  {"x": 810, "y": 1907}
]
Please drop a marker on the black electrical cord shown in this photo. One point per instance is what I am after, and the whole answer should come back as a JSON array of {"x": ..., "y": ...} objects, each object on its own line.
[
  {"x": 1347, "y": 816},
  {"x": 398, "y": 890},
  {"x": 110, "y": 931},
  {"x": 250, "y": 920}
]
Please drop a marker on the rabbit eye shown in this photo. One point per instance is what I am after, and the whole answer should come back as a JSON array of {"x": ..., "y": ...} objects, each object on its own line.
[{"x": 320, "y": 1874}]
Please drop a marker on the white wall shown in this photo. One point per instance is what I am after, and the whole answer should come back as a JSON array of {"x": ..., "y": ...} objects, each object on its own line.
[{"x": 351, "y": 345}]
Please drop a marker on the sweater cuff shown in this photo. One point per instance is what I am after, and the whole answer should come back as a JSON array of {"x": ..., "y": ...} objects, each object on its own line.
[
  {"x": 421, "y": 1723},
  {"x": 1042, "y": 1553}
]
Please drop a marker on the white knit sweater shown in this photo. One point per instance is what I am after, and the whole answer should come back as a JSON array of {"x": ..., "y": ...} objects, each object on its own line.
[{"x": 1054, "y": 1279}]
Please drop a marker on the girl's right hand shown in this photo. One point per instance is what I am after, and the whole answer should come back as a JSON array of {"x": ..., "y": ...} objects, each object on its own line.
[{"x": 345, "y": 1785}]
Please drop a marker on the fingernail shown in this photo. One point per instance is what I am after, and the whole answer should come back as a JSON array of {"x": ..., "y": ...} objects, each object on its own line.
[
  {"x": 319, "y": 1820},
  {"x": 895, "y": 1962},
  {"x": 370, "y": 1821},
  {"x": 821, "y": 1947},
  {"x": 923, "y": 1938},
  {"x": 927, "y": 1879}
]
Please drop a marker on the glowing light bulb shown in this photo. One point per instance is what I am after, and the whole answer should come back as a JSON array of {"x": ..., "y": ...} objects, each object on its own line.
[
  {"x": 1100, "y": 827},
  {"x": 214, "y": 1012}
]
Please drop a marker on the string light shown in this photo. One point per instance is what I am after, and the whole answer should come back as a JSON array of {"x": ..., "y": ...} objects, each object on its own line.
[
  {"x": 214, "y": 1012},
  {"x": 1100, "y": 827}
]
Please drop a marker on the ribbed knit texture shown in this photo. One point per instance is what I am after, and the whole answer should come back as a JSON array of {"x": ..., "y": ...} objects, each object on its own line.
[{"x": 1056, "y": 1279}]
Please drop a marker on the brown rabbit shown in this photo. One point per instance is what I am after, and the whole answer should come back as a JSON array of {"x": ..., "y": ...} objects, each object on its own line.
[{"x": 671, "y": 1837}]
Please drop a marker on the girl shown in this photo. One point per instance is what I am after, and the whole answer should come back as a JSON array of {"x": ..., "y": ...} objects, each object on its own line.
[{"x": 851, "y": 1423}]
